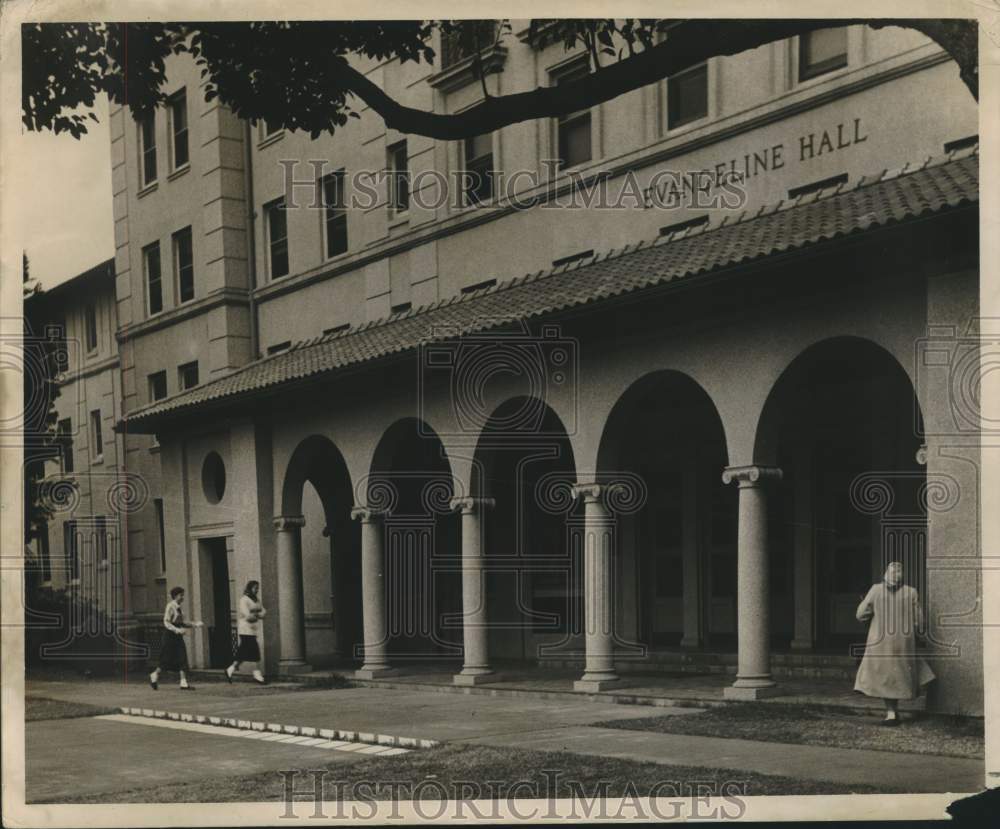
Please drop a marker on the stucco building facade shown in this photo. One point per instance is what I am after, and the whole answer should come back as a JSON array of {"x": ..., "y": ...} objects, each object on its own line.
[{"x": 614, "y": 434}]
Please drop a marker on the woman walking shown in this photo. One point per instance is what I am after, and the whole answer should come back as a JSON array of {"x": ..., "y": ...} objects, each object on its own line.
[
  {"x": 891, "y": 668},
  {"x": 248, "y": 616},
  {"x": 173, "y": 653}
]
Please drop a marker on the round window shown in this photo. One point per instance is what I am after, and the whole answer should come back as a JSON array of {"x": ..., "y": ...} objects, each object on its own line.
[{"x": 213, "y": 477}]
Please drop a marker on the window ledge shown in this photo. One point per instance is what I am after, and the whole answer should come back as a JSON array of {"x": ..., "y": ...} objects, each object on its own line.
[
  {"x": 337, "y": 256},
  {"x": 97, "y": 461},
  {"x": 154, "y": 449},
  {"x": 463, "y": 73},
  {"x": 103, "y": 564},
  {"x": 399, "y": 219},
  {"x": 185, "y": 168},
  {"x": 161, "y": 579},
  {"x": 147, "y": 189},
  {"x": 274, "y": 138}
]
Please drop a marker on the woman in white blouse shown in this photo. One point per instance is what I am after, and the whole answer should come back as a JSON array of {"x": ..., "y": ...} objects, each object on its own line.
[
  {"x": 249, "y": 613},
  {"x": 173, "y": 653}
]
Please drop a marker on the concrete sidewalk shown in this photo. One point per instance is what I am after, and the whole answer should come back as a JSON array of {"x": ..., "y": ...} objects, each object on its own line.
[{"x": 540, "y": 724}]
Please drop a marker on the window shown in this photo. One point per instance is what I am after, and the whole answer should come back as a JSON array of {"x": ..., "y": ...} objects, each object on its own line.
[
  {"x": 91, "y": 326},
  {"x": 399, "y": 178},
  {"x": 573, "y": 129},
  {"x": 158, "y": 506},
  {"x": 154, "y": 285},
  {"x": 101, "y": 539},
  {"x": 458, "y": 45},
  {"x": 187, "y": 375},
  {"x": 687, "y": 96},
  {"x": 277, "y": 348},
  {"x": 179, "y": 128},
  {"x": 184, "y": 265},
  {"x": 157, "y": 386},
  {"x": 479, "y": 169},
  {"x": 96, "y": 438},
  {"x": 277, "y": 237},
  {"x": 61, "y": 351},
  {"x": 43, "y": 551},
  {"x": 147, "y": 149},
  {"x": 71, "y": 549},
  {"x": 822, "y": 51},
  {"x": 267, "y": 130},
  {"x": 64, "y": 438},
  {"x": 336, "y": 213}
]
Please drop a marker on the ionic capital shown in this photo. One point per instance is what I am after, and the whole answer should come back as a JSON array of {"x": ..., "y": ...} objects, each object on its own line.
[
  {"x": 367, "y": 515},
  {"x": 283, "y": 523},
  {"x": 470, "y": 504},
  {"x": 588, "y": 492},
  {"x": 749, "y": 476}
]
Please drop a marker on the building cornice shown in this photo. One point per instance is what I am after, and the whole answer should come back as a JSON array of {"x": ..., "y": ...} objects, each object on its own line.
[
  {"x": 562, "y": 187},
  {"x": 222, "y": 296}
]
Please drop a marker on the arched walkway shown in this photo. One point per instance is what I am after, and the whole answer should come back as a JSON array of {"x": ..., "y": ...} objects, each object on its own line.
[
  {"x": 843, "y": 425},
  {"x": 323, "y": 577},
  {"x": 676, "y": 561}
]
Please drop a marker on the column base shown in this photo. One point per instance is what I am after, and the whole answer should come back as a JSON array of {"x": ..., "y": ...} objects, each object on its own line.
[
  {"x": 752, "y": 689},
  {"x": 474, "y": 676},
  {"x": 294, "y": 667},
  {"x": 375, "y": 672},
  {"x": 591, "y": 683}
]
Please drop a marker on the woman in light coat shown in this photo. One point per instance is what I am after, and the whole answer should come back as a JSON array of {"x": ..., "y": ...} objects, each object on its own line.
[
  {"x": 891, "y": 668},
  {"x": 248, "y": 615}
]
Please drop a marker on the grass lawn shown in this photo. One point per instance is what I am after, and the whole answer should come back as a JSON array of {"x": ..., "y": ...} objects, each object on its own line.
[
  {"x": 806, "y": 725},
  {"x": 42, "y": 708},
  {"x": 492, "y": 769}
]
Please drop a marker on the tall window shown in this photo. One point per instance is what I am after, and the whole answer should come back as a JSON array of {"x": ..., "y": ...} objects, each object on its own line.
[
  {"x": 399, "y": 177},
  {"x": 61, "y": 351},
  {"x": 179, "y": 128},
  {"x": 187, "y": 375},
  {"x": 479, "y": 168},
  {"x": 154, "y": 283},
  {"x": 71, "y": 547},
  {"x": 158, "y": 506},
  {"x": 336, "y": 213},
  {"x": 64, "y": 437},
  {"x": 43, "y": 551},
  {"x": 687, "y": 96},
  {"x": 147, "y": 149},
  {"x": 96, "y": 437},
  {"x": 184, "y": 265},
  {"x": 822, "y": 51},
  {"x": 90, "y": 314},
  {"x": 277, "y": 237},
  {"x": 157, "y": 386},
  {"x": 573, "y": 129}
]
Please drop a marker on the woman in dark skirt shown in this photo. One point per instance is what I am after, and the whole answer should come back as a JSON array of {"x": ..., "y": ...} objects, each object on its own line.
[
  {"x": 248, "y": 617},
  {"x": 173, "y": 653}
]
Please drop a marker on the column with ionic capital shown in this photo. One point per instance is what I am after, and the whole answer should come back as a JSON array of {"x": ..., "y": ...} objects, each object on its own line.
[
  {"x": 753, "y": 673},
  {"x": 598, "y": 537},
  {"x": 291, "y": 618},
  {"x": 476, "y": 665},
  {"x": 376, "y": 661}
]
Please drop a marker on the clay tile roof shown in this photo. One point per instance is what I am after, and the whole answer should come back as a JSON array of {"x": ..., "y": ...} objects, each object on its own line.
[{"x": 874, "y": 201}]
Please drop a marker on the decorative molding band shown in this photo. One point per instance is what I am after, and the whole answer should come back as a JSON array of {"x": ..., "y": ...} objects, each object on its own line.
[
  {"x": 223, "y": 296},
  {"x": 748, "y": 476},
  {"x": 470, "y": 504},
  {"x": 288, "y": 522},
  {"x": 463, "y": 73},
  {"x": 106, "y": 364}
]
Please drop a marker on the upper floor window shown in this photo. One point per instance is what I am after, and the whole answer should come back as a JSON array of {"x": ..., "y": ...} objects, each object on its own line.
[
  {"x": 160, "y": 527},
  {"x": 573, "y": 138},
  {"x": 96, "y": 437},
  {"x": 474, "y": 35},
  {"x": 64, "y": 437},
  {"x": 179, "y": 129},
  {"x": 154, "y": 281},
  {"x": 90, "y": 314},
  {"x": 277, "y": 237},
  {"x": 147, "y": 149},
  {"x": 184, "y": 265},
  {"x": 266, "y": 130},
  {"x": 822, "y": 51},
  {"x": 61, "y": 354},
  {"x": 157, "y": 386},
  {"x": 479, "y": 168},
  {"x": 687, "y": 96},
  {"x": 397, "y": 163},
  {"x": 71, "y": 545},
  {"x": 187, "y": 375},
  {"x": 335, "y": 206}
]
